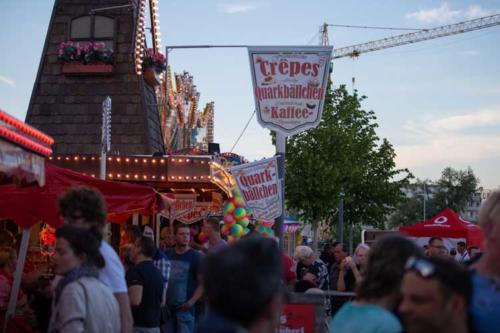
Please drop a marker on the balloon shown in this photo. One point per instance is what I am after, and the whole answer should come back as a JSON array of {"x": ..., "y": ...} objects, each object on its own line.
[
  {"x": 226, "y": 229},
  {"x": 239, "y": 213},
  {"x": 228, "y": 208},
  {"x": 202, "y": 237},
  {"x": 229, "y": 219},
  {"x": 238, "y": 201},
  {"x": 236, "y": 230},
  {"x": 244, "y": 222}
]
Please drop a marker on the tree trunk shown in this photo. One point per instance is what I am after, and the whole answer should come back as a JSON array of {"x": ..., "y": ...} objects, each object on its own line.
[{"x": 315, "y": 236}]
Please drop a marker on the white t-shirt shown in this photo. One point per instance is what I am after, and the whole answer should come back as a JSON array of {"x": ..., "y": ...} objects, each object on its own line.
[
  {"x": 113, "y": 273},
  {"x": 462, "y": 257}
]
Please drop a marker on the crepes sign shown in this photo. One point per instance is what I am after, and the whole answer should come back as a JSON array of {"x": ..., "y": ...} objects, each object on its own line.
[
  {"x": 260, "y": 187},
  {"x": 289, "y": 86}
]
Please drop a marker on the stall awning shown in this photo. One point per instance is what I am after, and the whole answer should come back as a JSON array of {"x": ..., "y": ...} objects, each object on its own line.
[{"x": 28, "y": 206}]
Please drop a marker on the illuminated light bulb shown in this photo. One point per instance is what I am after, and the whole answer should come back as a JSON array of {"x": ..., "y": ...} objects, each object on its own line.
[
  {"x": 162, "y": 161},
  {"x": 187, "y": 160},
  {"x": 118, "y": 159},
  {"x": 194, "y": 177},
  {"x": 118, "y": 175},
  {"x": 110, "y": 175},
  {"x": 110, "y": 159},
  {"x": 136, "y": 160},
  {"x": 76, "y": 158},
  {"x": 162, "y": 177},
  {"x": 202, "y": 177},
  {"x": 145, "y": 177},
  {"x": 93, "y": 175},
  {"x": 153, "y": 161},
  {"x": 67, "y": 158},
  {"x": 84, "y": 158},
  {"x": 127, "y": 160},
  {"x": 154, "y": 177},
  {"x": 144, "y": 160},
  {"x": 187, "y": 177},
  {"x": 92, "y": 158},
  {"x": 173, "y": 177},
  {"x": 50, "y": 158},
  {"x": 173, "y": 160},
  {"x": 127, "y": 176},
  {"x": 136, "y": 176}
]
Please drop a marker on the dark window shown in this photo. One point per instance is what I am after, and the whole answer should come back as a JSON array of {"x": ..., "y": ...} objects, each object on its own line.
[{"x": 93, "y": 28}]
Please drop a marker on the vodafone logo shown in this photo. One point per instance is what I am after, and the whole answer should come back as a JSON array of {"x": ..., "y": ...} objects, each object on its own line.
[{"x": 440, "y": 220}]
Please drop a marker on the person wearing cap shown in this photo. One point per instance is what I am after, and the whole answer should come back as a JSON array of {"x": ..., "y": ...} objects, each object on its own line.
[{"x": 436, "y": 293}]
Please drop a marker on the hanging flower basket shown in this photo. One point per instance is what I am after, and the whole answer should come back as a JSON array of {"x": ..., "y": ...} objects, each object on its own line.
[
  {"x": 95, "y": 68},
  {"x": 152, "y": 77}
]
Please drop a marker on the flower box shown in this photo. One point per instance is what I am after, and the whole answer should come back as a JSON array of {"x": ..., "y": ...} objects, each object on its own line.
[{"x": 78, "y": 69}]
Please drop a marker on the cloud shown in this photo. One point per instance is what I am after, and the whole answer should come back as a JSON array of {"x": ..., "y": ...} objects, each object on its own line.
[
  {"x": 233, "y": 8},
  {"x": 444, "y": 140},
  {"x": 476, "y": 11},
  {"x": 444, "y": 14},
  {"x": 7, "y": 81},
  {"x": 470, "y": 52},
  {"x": 441, "y": 14}
]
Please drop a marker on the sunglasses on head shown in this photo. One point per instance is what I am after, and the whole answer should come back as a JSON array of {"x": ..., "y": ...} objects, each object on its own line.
[{"x": 423, "y": 267}]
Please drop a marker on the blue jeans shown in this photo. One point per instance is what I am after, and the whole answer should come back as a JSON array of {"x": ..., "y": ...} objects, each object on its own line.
[{"x": 181, "y": 321}]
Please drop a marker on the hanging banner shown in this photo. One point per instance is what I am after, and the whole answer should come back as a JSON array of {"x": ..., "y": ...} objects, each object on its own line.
[
  {"x": 260, "y": 187},
  {"x": 181, "y": 205},
  {"x": 199, "y": 212},
  {"x": 289, "y": 85}
]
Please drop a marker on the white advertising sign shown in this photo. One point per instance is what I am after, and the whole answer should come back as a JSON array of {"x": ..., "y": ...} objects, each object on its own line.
[
  {"x": 289, "y": 85},
  {"x": 260, "y": 187}
]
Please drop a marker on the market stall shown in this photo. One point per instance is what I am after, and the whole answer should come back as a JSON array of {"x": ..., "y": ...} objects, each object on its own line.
[
  {"x": 23, "y": 150},
  {"x": 447, "y": 225}
]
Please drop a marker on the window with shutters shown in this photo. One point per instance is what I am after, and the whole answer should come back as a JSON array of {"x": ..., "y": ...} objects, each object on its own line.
[{"x": 93, "y": 28}]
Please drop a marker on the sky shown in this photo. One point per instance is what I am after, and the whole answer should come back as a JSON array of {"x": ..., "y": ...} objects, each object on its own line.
[{"x": 437, "y": 102}]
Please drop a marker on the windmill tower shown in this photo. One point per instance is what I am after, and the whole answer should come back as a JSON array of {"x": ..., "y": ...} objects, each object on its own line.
[{"x": 67, "y": 96}]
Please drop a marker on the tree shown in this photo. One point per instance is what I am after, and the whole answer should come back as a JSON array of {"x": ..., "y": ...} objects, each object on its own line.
[
  {"x": 343, "y": 156},
  {"x": 453, "y": 190},
  {"x": 456, "y": 188}
]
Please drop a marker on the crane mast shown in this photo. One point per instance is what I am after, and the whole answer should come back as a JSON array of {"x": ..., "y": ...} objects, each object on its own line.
[{"x": 410, "y": 38}]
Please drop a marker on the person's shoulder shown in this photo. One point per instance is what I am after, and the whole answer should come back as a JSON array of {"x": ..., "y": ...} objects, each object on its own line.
[{"x": 107, "y": 251}]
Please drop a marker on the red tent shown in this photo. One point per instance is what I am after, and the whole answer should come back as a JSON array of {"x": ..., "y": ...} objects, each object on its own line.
[
  {"x": 30, "y": 205},
  {"x": 447, "y": 225}
]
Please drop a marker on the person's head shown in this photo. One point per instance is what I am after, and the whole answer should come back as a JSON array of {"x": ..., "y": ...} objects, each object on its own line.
[
  {"x": 182, "y": 235},
  {"x": 340, "y": 252},
  {"x": 83, "y": 207},
  {"x": 473, "y": 251},
  {"x": 7, "y": 239},
  {"x": 143, "y": 249},
  {"x": 461, "y": 247},
  {"x": 361, "y": 254},
  {"x": 211, "y": 227},
  {"x": 76, "y": 247},
  {"x": 129, "y": 234},
  {"x": 436, "y": 293},
  {"x": 243, "y": 282},
  {"x": 305, "y": 255},
  {"x": 8, "y": 259},
  {"x": 489, "y": 221},
  {"x": 385, "y": 268},
  {"x": 436, "y": 247}
]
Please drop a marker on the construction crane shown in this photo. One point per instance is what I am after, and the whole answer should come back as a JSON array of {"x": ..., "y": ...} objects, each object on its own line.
[{"x": 410, "y": 38}]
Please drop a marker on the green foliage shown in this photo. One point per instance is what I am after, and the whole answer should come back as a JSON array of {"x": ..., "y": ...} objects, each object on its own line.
[
  {"x": 453, "y": 190},
  {"x": 343, "y": 156},
  {"x": 456, "y": 188}
]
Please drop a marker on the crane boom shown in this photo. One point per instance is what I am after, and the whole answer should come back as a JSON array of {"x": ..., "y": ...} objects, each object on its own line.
[{"x": 419, "y": 36}]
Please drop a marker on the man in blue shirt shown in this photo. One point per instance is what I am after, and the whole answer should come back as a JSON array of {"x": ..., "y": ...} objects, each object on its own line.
[
  {"x": 485, "y": 307},
  {"x": 184, "y": 290}
]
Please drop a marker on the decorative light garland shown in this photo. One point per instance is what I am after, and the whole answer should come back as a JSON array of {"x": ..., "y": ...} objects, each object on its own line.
[{"x": 140, "y": 36}]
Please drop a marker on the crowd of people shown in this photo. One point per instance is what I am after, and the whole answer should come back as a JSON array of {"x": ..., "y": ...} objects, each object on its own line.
[{"x": 182, "y": 287}]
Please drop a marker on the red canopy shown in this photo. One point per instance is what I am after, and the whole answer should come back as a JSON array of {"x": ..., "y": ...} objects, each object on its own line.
[
  {"x": 30, "y": 205},
  {"x": 446, "y": 224}
]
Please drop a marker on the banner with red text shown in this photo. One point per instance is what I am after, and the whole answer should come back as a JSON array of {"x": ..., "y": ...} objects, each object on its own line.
[
  {"x": 289, "y": 85},
  {"x": 260, "y": 187}
]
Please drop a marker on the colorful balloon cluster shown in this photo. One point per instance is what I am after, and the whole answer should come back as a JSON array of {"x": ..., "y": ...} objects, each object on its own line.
[
  {"x": 265, "y": 228},
  {"x": 236, "y": 217}
]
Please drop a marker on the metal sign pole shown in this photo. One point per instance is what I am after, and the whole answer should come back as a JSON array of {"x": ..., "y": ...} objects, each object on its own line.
[{"x": 281, "y": 152}]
